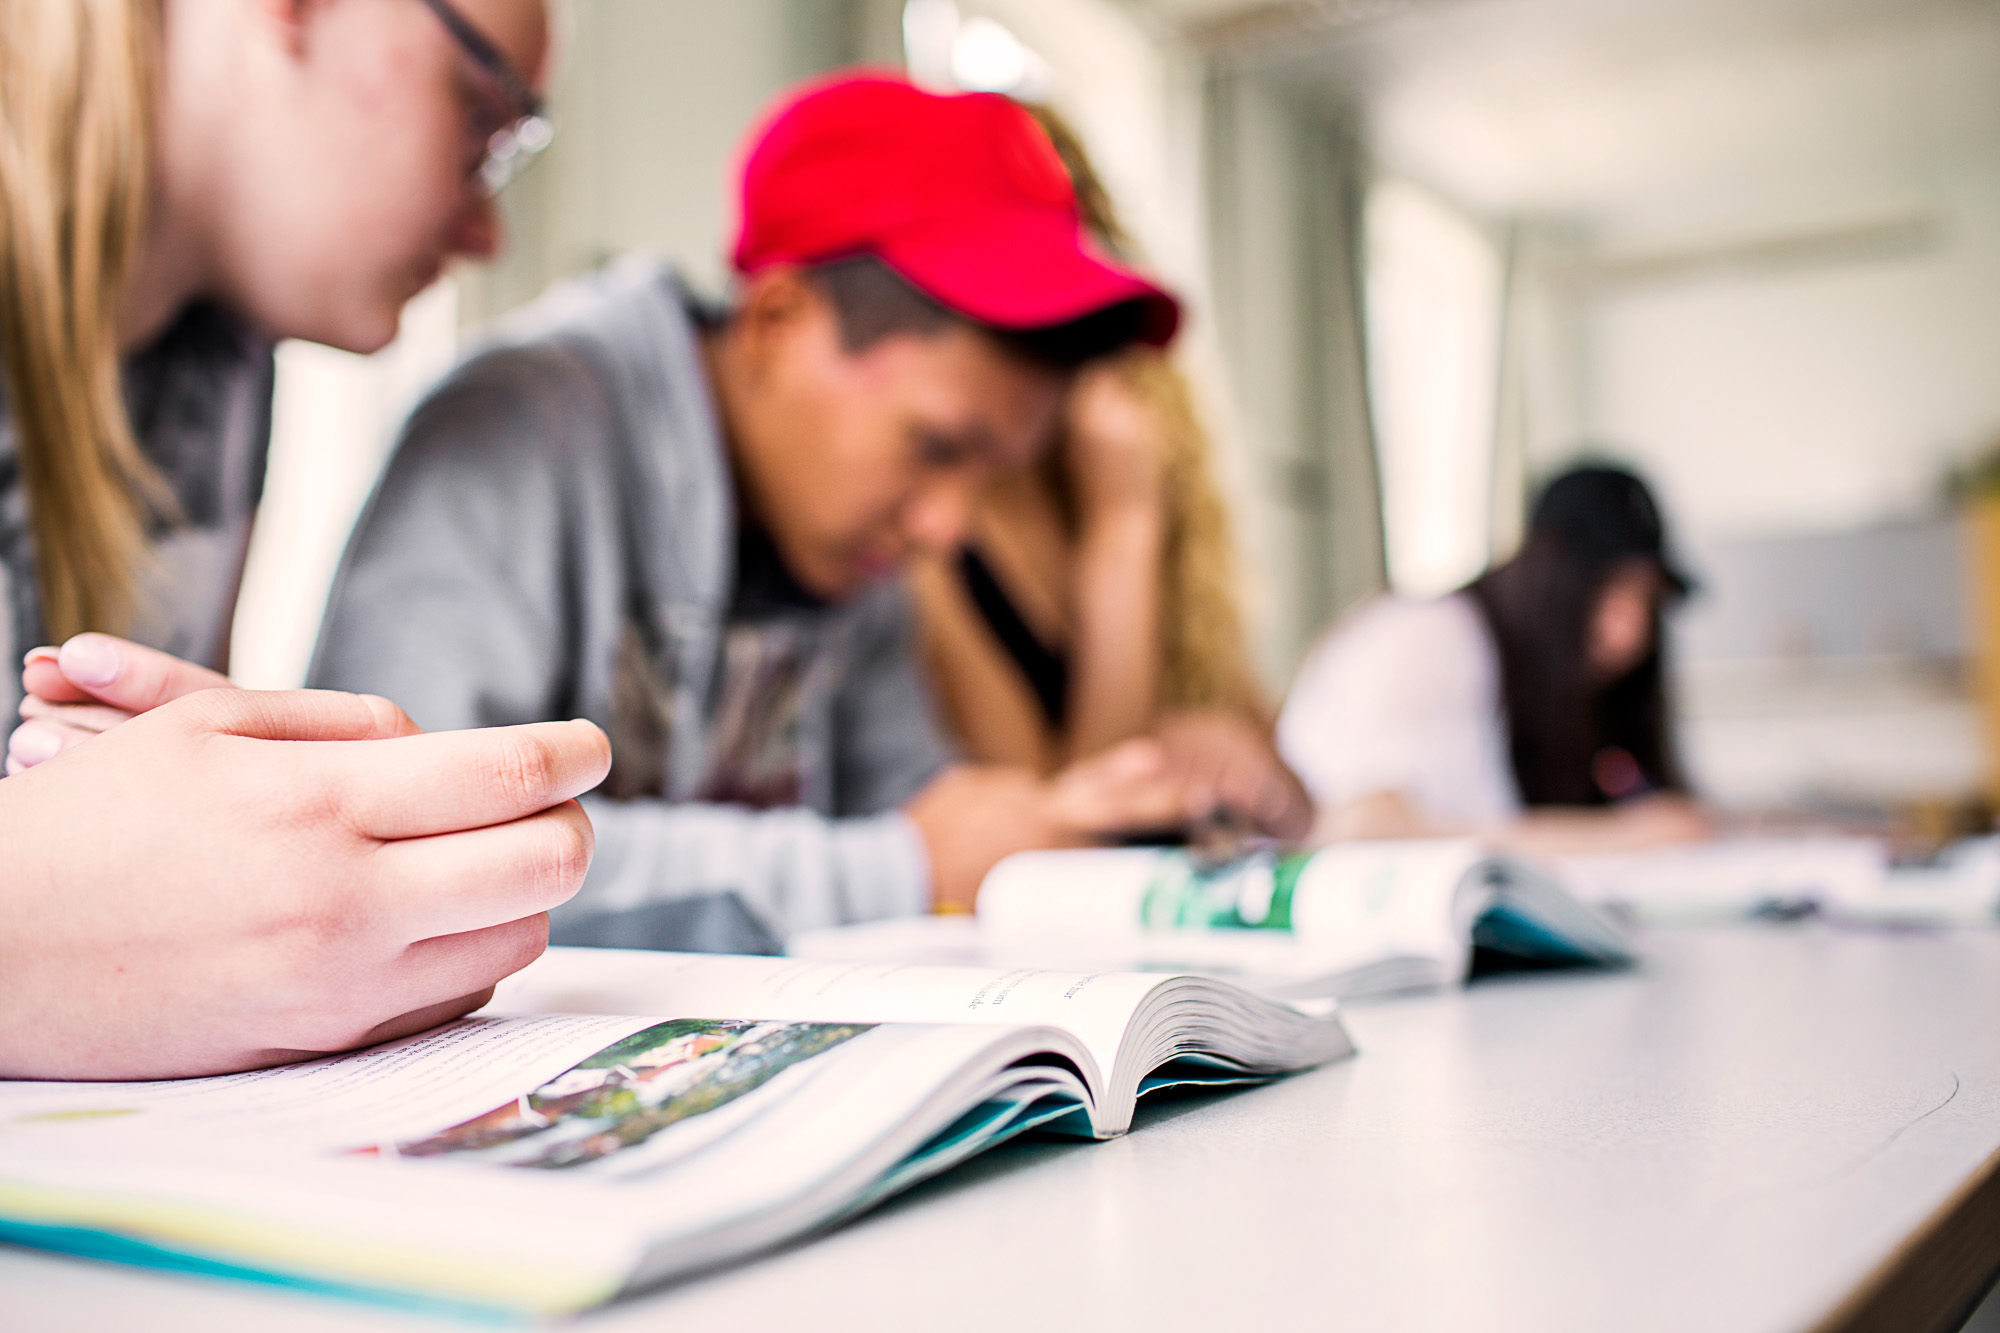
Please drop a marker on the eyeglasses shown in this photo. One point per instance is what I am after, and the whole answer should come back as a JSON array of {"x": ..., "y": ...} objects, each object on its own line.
[{"x": 506, "y": 150}]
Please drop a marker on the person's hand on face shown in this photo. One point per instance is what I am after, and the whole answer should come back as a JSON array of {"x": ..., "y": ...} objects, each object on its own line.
[
  {"x": 91, "y": 684},
  {"x": 1113, "y": 446},
  {"x": 198, "y": 891}
]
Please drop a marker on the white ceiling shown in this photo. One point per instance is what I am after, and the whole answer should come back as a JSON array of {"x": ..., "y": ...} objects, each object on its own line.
[{"x": 1662, "y": 114}]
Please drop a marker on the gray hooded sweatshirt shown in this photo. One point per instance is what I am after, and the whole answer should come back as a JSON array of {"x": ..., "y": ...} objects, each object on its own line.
[{"x": 557, "y": 536}]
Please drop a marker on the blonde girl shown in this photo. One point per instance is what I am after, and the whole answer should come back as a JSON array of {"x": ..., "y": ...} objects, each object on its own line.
[{"x": 182, "y": 182}]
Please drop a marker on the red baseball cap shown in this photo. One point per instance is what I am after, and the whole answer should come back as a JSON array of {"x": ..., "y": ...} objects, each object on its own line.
[{"x": 962, "y": 194}]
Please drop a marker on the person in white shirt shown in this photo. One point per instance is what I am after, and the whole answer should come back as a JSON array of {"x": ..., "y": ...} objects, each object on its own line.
[{"x": 1529, "y": 707}]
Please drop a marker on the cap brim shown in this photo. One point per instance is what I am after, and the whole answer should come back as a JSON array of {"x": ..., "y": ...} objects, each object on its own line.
[{"x": 1027, "y": 271}]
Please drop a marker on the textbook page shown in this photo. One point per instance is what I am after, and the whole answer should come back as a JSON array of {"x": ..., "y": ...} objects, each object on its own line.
[
  {"x": 397, "y": 1090},
  {"x": 939, "y": 941},
  {"x": 420, "y": 1165},
  {"x": 1095, "y": 1007}
]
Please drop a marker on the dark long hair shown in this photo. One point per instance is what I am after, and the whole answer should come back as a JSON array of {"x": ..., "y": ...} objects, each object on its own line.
[{"x": 1560, "y": 723}]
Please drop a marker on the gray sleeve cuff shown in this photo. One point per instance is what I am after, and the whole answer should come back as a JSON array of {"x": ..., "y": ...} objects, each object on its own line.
[
  {"x": 885, "y": 869},
  {"x": 791, "y": 869}
]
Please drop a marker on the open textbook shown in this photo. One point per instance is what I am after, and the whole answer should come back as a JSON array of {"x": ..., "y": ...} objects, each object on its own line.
[
  {"x": 1344, "y": 921},
  {"x": 613, "y": 1119}
]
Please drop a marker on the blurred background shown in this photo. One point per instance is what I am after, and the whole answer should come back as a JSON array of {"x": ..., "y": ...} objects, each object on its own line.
[{"x": 1434, "y": 249}]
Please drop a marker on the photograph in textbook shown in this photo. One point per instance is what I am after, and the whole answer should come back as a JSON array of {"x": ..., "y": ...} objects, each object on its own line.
[{"x": 632, "y": 1092}]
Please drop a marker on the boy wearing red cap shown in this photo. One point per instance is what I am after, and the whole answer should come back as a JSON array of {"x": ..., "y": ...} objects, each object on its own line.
[{"x": 682, "y": 524}]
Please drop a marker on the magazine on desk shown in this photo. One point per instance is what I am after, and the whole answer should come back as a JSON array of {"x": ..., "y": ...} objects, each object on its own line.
[
  {"x": 614, "y": 1119},
  {"x": 1345, "y": 921}
]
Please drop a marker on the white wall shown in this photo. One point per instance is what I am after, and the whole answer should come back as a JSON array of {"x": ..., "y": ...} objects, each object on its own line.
[
  {"x": 1435, "y": 285},
  {"x": 652, "y": 102},
  {"x": 1284, "y": 216},
  {"x": 1829, "y": 667},
  {"x": 1831, "y": 394},
  {"x": 332, "y": 421}
]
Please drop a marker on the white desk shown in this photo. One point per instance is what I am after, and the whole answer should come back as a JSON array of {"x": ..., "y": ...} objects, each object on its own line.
[{"x": 1764, "y": 1128}]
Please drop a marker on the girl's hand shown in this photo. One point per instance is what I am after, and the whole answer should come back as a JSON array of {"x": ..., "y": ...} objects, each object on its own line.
[
  {"x": 1230, "y": 767},
  {"x": 1663, "y": 820},
  {"x": 1114, "y": 449},
  {"x": 972, "y": 815},
  {"x": 90, "y": 685},
  {"x": 241, "y": 878}
]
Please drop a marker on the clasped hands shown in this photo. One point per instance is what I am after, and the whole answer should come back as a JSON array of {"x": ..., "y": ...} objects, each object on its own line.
[{"x": 200, "y": 890}]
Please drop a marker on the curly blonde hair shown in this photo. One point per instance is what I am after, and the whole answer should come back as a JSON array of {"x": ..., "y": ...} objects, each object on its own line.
[{"x": 1203, "y": 660}]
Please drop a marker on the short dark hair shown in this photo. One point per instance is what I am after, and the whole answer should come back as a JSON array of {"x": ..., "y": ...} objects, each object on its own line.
[{"x": 872, "y": 301}]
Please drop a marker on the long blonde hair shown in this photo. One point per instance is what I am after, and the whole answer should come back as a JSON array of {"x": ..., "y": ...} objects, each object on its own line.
[
  {"x": 77, "y": 79},
  {"x": 1203, "y": 662}
]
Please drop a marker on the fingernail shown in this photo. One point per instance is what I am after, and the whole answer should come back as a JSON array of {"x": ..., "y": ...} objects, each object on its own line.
[
  {"x": 32, "y": 744},
  {"x": 91, "y": 659},
  {"x": 45, "y": 653}
]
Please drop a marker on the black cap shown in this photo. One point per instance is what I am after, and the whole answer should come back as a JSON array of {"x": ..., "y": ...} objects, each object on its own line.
[{"x": 1603, "y": 514}]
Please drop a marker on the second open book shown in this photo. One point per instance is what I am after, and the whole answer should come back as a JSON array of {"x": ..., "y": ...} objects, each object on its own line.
[{"x": 1349, "y": 920}]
